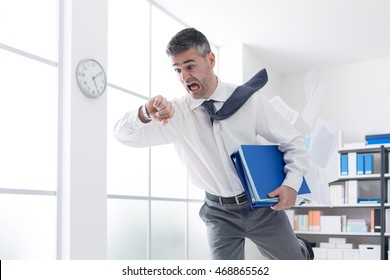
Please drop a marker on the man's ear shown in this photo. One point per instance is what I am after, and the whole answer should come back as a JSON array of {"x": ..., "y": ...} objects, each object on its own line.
[{"x": 211, "y": 58}]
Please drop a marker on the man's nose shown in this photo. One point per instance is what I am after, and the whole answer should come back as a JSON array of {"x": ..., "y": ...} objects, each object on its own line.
[{"x": 185, "y": 75}]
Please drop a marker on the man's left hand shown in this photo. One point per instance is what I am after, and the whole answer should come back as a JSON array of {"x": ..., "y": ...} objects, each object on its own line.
[{"x": 287, "y": 198}]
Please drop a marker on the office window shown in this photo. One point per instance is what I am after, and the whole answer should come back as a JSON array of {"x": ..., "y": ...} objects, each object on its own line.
[
  {"x": 168, "y": 225},
  {"x": 28, "y": 228},
  {"x": 30, "y": 26},
  {"x": 127, "y": 232},
  {"x": 29, "y": 32},
  {"x": 28, "y": 118},
  {"x": 151, "y": 204},
  {"x": 127, "y": 167},
  {"x": 128, "y": 44}
]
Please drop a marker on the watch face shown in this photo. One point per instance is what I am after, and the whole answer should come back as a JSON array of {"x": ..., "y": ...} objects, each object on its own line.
[{"x": 91, "y": 78}]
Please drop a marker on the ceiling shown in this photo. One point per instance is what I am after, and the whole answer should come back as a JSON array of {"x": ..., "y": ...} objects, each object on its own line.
[{"x": 292, "y": 35}]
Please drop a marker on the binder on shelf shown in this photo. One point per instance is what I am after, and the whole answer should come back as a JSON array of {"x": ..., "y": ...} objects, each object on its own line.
[
  {"x": 352, "y": 192},
  {"x": 301, "y": 222},
  {"x": 360, "y": 164},
  {"x": 375, "y": 220},
  {"x": 337, "y": 194},
  {"x": 343, "y": 165},
  {"x": 378, "y": 139},
  {"x": 314, "y": 220},
  {"x": 261, "y": 171},
  {"x": 368, "y": 166}
]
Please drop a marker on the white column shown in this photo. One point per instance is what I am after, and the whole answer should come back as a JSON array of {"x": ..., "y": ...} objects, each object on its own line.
[{"x": 83, "y": 182}]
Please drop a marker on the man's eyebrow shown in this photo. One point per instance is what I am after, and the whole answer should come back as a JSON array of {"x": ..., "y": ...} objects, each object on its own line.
[{"x": 185, "y": 62}]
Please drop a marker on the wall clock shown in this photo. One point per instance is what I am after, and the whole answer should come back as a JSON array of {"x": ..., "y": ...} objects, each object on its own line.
[{"x": 91, "y": 78}]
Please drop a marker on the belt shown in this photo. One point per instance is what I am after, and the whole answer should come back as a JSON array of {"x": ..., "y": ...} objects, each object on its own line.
[{"x": 241, "y": 198}]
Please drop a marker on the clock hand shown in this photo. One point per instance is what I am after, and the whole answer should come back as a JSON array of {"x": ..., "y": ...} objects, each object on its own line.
[
  {"x": 95, "y": 83},
  {"x": 93, "y": 77}
]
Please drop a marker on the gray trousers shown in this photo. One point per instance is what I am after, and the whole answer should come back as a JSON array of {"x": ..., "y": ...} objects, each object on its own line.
[{"x": 229, "y": 224}]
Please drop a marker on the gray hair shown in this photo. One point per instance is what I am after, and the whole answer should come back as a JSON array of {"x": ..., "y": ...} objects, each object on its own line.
[{"x": 186, "y": 39}]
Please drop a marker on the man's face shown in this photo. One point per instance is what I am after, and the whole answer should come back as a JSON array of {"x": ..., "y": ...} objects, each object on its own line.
[{"x": 196, "y": 72}]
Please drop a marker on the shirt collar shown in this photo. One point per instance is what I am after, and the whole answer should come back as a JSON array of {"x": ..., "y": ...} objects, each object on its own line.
[{"x": 220, "y": 95}]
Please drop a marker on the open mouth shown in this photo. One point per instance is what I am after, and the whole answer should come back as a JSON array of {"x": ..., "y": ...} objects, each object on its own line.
[{"x": 193, "y": 87}]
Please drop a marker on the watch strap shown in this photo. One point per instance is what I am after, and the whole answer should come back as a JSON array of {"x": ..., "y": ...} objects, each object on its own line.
[{"x": 145, "y": 113}]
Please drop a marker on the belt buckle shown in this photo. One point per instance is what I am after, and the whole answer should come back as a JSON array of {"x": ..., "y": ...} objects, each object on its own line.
[{"x": 238, "y": 197}]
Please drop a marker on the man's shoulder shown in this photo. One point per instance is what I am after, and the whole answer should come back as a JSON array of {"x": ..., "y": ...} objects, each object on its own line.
[
  {"x": 229, "y": 87},
  {"x": 186, "y": 103},
  {"x": 183, "y": 101}
]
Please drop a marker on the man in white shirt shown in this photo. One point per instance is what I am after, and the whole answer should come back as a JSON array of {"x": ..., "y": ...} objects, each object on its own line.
[{"x": 205, "y": 148}]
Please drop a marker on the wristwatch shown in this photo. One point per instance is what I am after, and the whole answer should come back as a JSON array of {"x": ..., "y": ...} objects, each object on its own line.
[{"x": 145, "y": 113}]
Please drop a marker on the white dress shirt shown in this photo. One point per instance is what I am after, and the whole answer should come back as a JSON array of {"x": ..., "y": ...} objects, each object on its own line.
[{"x": 205, "y": 149}]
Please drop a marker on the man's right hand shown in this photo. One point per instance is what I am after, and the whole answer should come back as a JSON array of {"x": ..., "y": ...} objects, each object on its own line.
[{"x": 160, "y": 109}]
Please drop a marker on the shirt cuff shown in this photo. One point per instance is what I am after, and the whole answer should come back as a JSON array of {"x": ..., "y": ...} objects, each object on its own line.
[
  {"x": 131, "y": 122},
  {"x": 293, "y": 180},
  {"x": 133, "y": 118}
]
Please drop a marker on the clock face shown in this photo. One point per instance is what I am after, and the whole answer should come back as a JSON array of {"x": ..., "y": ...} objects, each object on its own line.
[{"x": 91, "y": 78}]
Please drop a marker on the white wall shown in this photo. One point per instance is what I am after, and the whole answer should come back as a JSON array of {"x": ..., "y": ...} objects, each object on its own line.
[
  {"x": 237, "y": 64},
  {"x": 356, "y": 99}
]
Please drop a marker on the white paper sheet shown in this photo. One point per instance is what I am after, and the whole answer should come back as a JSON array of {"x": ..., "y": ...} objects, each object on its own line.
[
  {"x": 312, "y": 108},
  {"x": 323, "y": 161},
  {"x": 314, "y": 92},
  {"x": 324, "y": 141},
  {"x": 289, "y": 114},
  {"x": 317, "y": 181}
]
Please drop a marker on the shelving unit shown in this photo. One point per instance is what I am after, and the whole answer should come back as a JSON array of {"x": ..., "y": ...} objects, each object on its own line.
[{"x": 380, "y": 178}]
